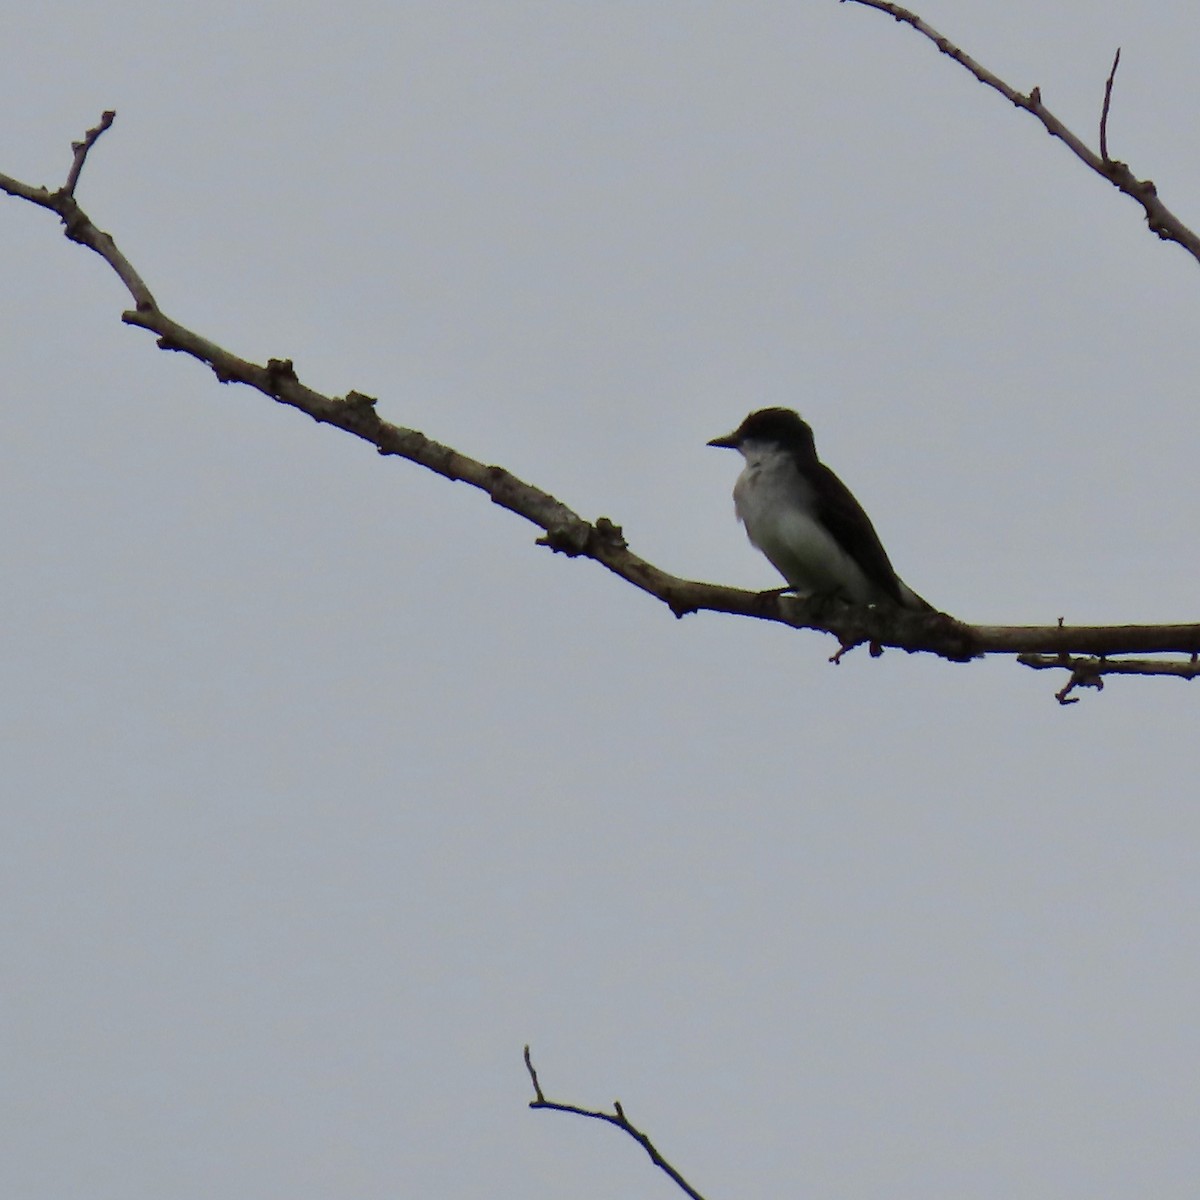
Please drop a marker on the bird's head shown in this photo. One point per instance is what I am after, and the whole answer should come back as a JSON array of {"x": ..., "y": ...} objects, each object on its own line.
[{"x": 780, "y": 427}]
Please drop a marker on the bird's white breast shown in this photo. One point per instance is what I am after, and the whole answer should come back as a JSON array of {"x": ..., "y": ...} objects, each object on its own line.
[{"x": 777, "y": 506}]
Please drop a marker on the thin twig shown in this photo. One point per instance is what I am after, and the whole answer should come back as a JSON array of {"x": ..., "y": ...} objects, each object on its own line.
[
  {"x": 616, "y": 1117},
  {"x": 1164, "y": 223},
  {"x": 81, "y": 150},
  {"x": 537, "y": 1087},
  {"x": 1108, "y": 87}
]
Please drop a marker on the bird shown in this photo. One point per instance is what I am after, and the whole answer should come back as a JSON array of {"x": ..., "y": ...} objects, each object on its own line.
[{"x": 806, "y": 520}]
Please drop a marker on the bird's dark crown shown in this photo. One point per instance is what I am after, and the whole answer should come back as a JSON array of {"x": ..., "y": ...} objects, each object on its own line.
[{"x": 781, "y": 425}]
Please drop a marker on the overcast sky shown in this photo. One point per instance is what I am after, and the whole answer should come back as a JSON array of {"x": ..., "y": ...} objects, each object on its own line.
[{"x": 325, "y": 789}]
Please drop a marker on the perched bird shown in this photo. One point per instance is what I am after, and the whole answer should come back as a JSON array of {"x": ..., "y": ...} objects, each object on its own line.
[{"x": 805, "y": 519}]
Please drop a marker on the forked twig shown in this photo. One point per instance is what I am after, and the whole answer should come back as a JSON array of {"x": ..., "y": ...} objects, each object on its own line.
[
  {"x": 616, "y": 1117},
  {"x": 1160, "y": 219}
]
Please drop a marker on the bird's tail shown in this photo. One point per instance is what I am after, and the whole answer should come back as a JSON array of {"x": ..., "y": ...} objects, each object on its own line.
[{"x": 910, "y": 599}]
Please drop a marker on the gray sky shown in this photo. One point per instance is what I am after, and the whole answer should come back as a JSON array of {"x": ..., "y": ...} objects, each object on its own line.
[{"x": 325, "y": 789}]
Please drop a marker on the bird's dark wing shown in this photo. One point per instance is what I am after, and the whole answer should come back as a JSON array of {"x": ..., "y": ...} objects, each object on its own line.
[{"x": 843, "y": 516}]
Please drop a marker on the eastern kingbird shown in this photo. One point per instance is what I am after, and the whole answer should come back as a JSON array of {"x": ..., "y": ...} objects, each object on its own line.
[{"x": 805, "y": 519}]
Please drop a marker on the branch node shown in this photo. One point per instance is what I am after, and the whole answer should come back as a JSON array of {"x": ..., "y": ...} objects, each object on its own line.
[
  {"x": 360, "y": 401},
  {"x": 281, "y": 370},
  {"x": 680, "y": 608},
  {"x": 571, "y": 539},
  {"x": 610, "y": 534}
]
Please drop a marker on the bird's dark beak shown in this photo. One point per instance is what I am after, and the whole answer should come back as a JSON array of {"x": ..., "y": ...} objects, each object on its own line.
[{"x": 728, "y": 442}]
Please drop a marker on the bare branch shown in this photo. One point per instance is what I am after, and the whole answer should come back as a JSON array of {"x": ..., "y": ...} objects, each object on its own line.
[
  {"x": 566, "y": 532},
  {"x": 616, "y": 1117},
  {"x": 1108, "y": 87},
  {"x": 1088, "y": 639},
  {"x": 1161, "y": 220}
]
